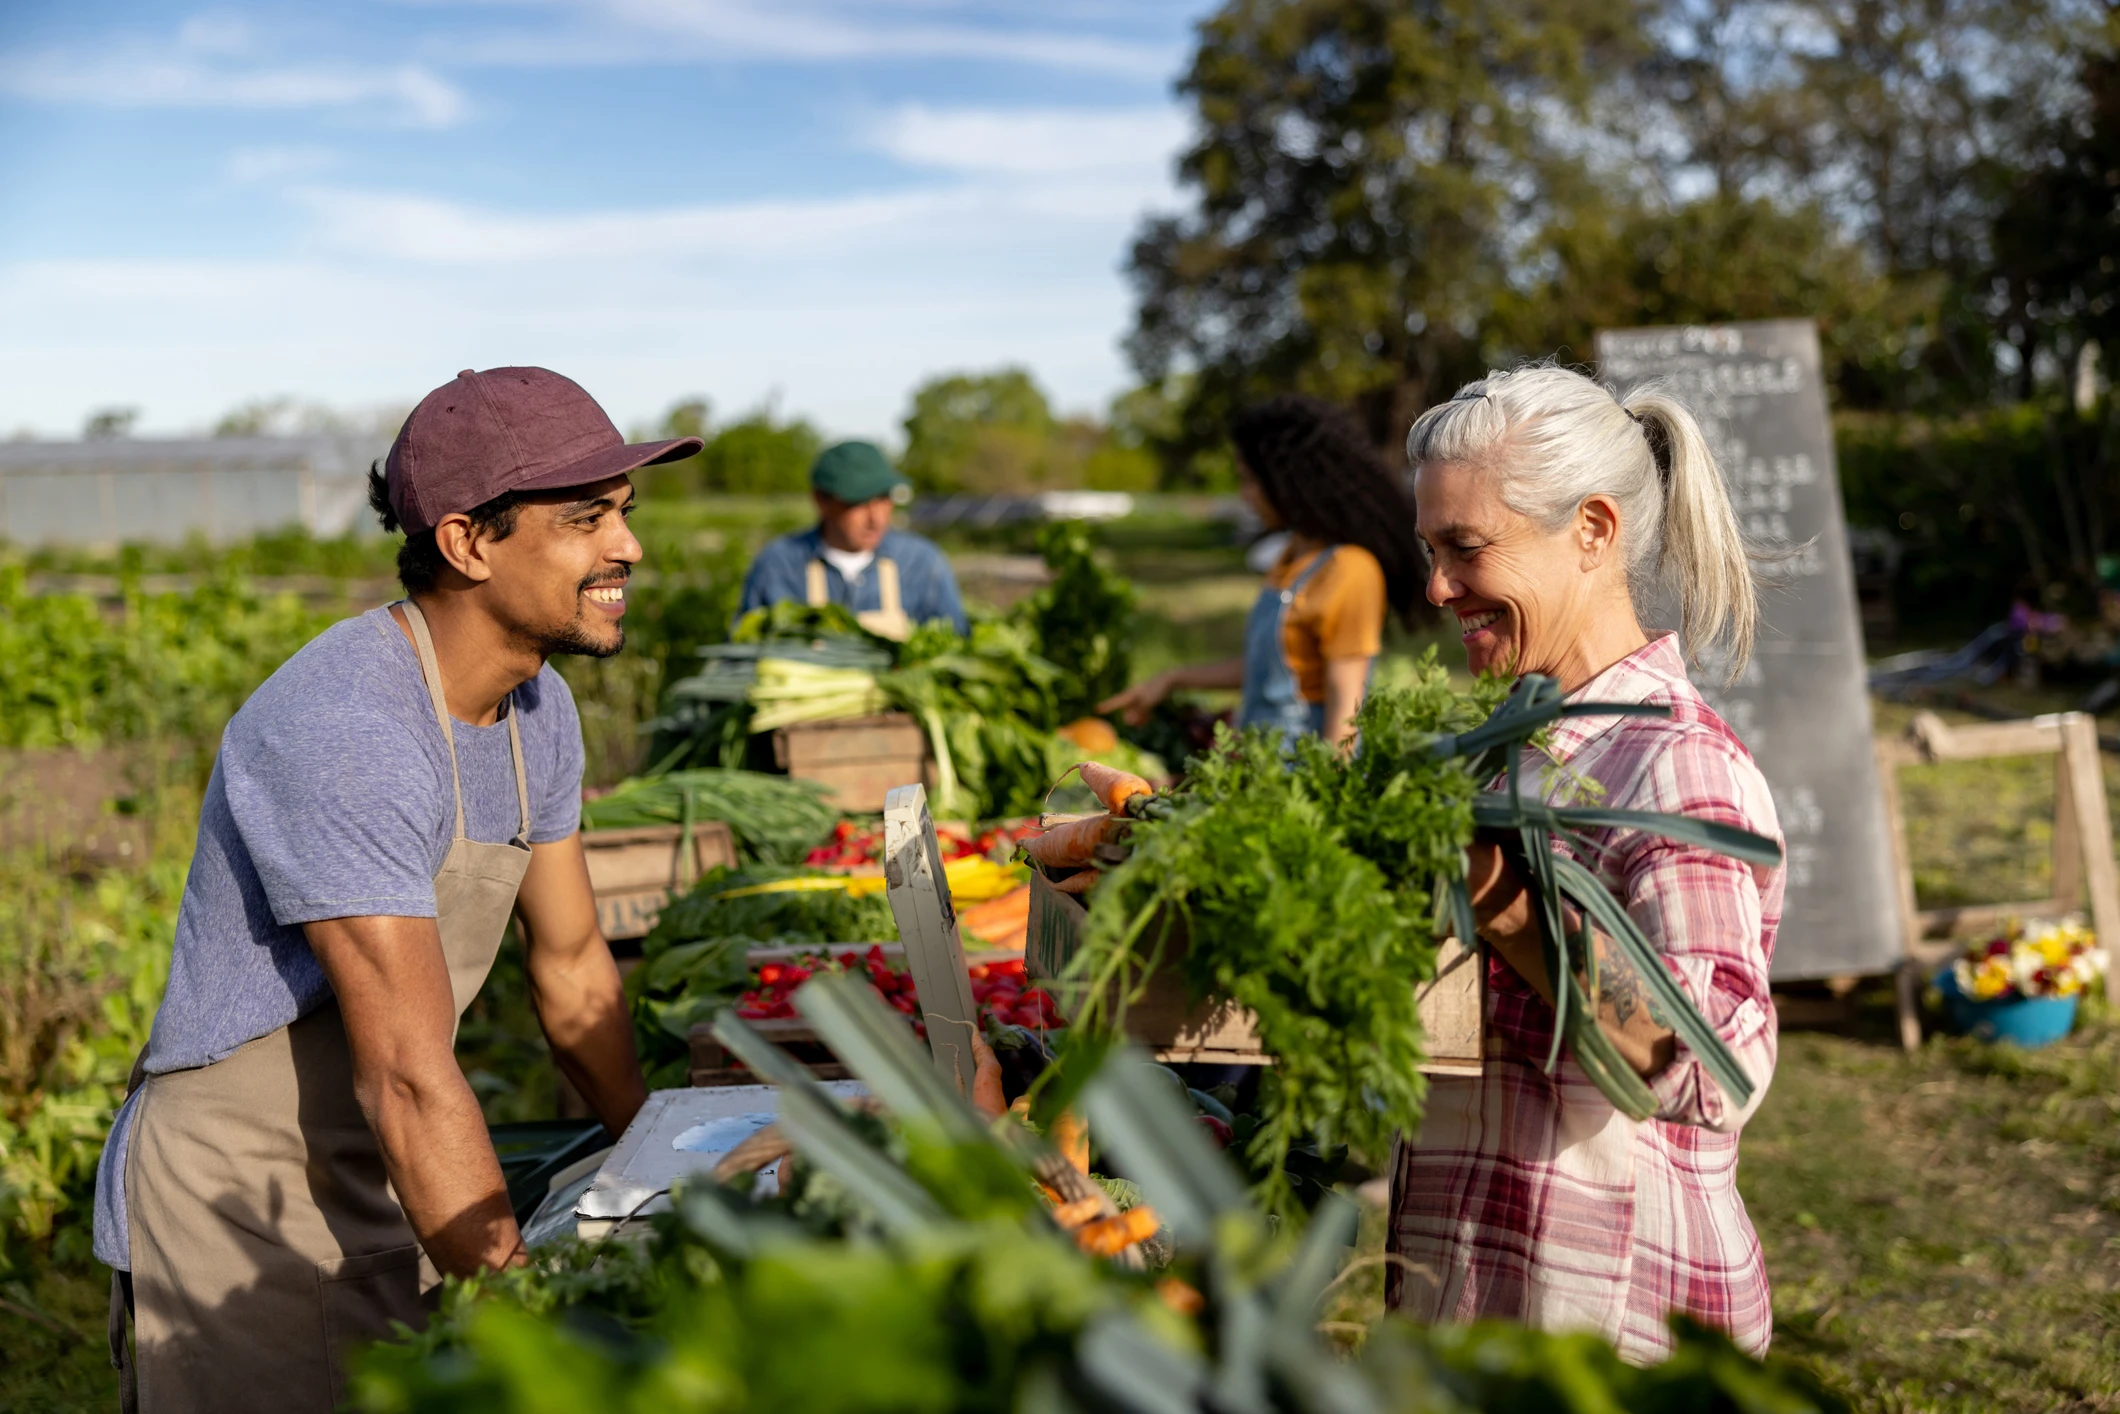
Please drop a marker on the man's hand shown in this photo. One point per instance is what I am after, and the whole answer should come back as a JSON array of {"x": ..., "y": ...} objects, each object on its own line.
[
  {"x": 393, "y": 991},
  {"x": 575, "y": 984}
]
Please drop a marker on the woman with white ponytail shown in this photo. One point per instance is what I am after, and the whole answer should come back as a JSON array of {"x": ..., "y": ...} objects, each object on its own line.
[{"x": 1552, "y": 513}]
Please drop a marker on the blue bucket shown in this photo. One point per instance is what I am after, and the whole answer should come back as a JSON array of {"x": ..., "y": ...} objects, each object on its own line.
[{"x": 2029, "y": 1022}]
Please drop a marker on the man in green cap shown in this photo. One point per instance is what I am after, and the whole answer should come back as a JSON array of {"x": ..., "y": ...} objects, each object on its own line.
[{"x": 891, "y": 579}]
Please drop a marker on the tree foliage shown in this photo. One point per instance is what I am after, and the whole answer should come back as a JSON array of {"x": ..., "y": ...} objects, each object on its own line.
[
  {"x": 996, "y": 432},
  {"x": 756, "y": 455},
  {"x": 1386, "y": 199}
]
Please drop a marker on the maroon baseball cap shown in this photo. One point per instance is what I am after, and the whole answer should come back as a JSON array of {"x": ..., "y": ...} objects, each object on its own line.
[{"x": 507, "y": 429}]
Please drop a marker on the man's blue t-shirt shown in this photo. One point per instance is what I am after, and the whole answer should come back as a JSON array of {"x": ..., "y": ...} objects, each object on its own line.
[
  {"x": 927, "y": 586},
  {"x": 330, "y": 799}
]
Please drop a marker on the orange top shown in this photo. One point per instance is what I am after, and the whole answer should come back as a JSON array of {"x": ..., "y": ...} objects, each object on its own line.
[{"x": 1338, "y": 614}]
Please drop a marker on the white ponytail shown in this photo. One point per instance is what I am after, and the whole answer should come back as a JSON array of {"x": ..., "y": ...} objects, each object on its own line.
[{"x": 1556, "y": 438}]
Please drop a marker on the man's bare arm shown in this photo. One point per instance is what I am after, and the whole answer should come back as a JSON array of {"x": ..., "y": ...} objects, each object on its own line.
[
  {"x": 393, "y": 990},
  {"x": 575, "y": 984}
]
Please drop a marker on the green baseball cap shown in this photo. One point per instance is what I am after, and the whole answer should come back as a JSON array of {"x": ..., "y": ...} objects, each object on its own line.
[{"x": 854, "y": 472}]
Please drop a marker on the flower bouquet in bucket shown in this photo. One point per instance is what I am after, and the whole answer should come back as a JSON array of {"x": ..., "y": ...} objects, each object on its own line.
[{"x": 2021, "y": 986}]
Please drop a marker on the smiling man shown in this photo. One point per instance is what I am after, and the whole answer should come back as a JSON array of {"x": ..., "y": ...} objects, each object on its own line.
[{"x": 300, "y": 1156}]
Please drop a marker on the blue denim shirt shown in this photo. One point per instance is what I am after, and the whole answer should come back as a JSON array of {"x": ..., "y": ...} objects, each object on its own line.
[{"x": 927, "y": 586}]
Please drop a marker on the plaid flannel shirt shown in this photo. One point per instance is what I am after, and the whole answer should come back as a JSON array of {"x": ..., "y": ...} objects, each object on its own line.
[{"x": 1528, "y": 1196}]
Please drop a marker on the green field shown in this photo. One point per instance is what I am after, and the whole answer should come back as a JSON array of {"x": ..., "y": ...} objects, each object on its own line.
[{"x": 1942, "y": 1230}]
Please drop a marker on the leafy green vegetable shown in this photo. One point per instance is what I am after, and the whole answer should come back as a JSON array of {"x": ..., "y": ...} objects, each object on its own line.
[
  {"x": 1081, "y": 621},
  {"x": 692, "y": 962},
  {"x": 988, "y": 700},
  {"x": 1312, "y": 889},
  {"x": 775, "y": 820},
  {"x": 1281, "y": 914},
  {"x": 911, "y": 1266},
  {"x": 171, "y": 666}
]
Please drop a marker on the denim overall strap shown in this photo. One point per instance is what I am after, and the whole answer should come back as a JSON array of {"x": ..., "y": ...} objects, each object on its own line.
[{"x": 1272, "y": 696}]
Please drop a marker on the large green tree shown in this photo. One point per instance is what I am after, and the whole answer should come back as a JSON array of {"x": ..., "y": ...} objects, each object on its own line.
[
  {"x": 1386, "y": 197},
  {"x": 1369, "y": 181}
]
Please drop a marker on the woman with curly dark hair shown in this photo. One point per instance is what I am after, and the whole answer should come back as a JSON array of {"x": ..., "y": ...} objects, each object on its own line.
[{"x": 1304, "y": 466}]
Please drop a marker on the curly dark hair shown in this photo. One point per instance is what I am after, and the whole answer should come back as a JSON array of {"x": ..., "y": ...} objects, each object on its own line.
[
  {"x": 1318, "y": 469},
  {"x": 419, "y": 559}
]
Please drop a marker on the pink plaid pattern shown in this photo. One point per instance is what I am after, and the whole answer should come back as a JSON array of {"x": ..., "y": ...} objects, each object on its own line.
[{"x": 1528, "y": 1196}]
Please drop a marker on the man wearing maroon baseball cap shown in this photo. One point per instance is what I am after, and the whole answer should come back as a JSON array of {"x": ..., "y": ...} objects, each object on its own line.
[{"x": 300, "y": 1157}]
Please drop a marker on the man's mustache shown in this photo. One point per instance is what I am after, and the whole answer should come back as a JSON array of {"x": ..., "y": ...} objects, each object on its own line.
[{"x": 598, "y": 581}]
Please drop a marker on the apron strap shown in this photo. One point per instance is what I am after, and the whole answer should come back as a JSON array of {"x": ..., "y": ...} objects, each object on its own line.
[
  {"x": 431, "y": 670},
  {"x": 1295, "y": 586},
  {"x": 887, "y": 588},
  {"x": 815, "y": 584},
  {"x": 120, "y": 1356},
  {"x": 522, "y": 779}
]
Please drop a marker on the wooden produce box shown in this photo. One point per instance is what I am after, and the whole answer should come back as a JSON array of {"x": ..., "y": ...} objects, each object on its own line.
[
  {"x": 712, "y": 1065},
  {"x": 860, "y": 759},
  {"x": 1166, "y": 1020},
  {"x": 634, "y": 872}
]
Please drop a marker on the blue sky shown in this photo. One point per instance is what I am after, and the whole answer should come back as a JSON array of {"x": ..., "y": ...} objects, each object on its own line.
[{"x": 346, "y": 201}]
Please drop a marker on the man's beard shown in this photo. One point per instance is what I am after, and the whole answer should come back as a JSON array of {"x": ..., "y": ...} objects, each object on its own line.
[{"x": 573, "y": 637}]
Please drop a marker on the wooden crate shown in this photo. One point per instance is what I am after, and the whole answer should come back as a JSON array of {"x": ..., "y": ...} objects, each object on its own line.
[
  {"x": 634, "y": 872},
  {"x": 1176, "y": 1028},
  {"x": 713, "y": 1065},
  {"x": 860, "y": 759}
]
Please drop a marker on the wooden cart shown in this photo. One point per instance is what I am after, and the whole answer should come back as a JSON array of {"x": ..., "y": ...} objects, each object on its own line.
[{"x": 2083, "y": 842}]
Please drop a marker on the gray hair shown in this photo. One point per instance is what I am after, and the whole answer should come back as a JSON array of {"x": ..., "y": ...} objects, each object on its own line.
[{"x": 1556, "y": 438}]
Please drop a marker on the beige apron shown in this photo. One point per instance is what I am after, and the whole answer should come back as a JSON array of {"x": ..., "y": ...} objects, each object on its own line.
[
  {"x": 888, "y": 620},
  {"x": 266, "y": 1240}
]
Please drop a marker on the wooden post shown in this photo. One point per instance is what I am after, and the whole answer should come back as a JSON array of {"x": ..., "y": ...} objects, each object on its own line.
[
  {"x": 2083, "y": 839},
  {"x": 1891, "y": 755},
  {"x": 2094, "y": 827},
  {"x": 919, "y": 893}
]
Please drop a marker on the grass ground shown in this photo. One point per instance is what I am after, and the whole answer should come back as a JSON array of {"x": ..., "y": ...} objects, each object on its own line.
[{"x": 1942, "y": 1230}]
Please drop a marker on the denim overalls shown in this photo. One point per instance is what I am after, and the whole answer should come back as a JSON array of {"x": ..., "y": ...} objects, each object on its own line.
[{"x": 1271, "y": 693}]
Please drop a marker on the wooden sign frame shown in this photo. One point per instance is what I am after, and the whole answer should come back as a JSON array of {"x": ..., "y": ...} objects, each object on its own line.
[
  {"x": 919, "y": 894},
  {"x": 2083, "y": 841}
]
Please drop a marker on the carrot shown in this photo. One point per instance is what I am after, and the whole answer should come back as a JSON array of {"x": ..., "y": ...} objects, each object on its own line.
[
  {"x": 1181, "y": 1297},
  {"x": 1113, "y": 786},
  {"x": 1071, "y": 1137},
  {"x": 1073, "y": 845},
  {"x": 997, "y": 918},
  {"x": 1078, "y": 883},
  {"x": 1073, "y": 1215},
  {"x": 1108, "y": 1237}
]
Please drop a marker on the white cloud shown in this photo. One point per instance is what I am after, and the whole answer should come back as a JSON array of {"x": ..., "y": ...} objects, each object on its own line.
[
  {"x": 141, "y": 78},
  {"x": 431, "y": 230},
  {"x": 188, "y": 339},
  {"x": 617, "y": 31},
  {"x": 1035, "y": 142},
  {"x": 271, "y": 164},
  {"x": 214, "y": 34}
]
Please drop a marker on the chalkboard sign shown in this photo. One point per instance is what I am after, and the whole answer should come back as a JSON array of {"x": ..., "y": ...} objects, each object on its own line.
[{"x": 1802, "y": 705}]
